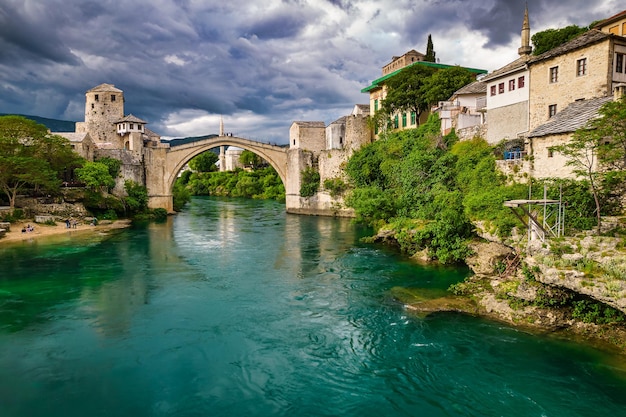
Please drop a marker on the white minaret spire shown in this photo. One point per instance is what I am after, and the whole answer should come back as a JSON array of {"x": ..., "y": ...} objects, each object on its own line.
[
  {"x": 525, "y": 49},
  {"x": 221, "y": 126}
]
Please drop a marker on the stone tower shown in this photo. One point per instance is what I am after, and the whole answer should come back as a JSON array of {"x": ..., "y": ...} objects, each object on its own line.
[
  {"x": 525, "y": 49},
  {"x": 104, "y": 106}
]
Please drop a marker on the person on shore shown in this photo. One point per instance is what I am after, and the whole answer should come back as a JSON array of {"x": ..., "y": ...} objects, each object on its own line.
[{"x": 67, "y": 223}]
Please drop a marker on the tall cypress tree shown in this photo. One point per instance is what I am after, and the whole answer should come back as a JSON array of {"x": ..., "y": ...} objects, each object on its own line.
[{"x": 430, "y": 52}]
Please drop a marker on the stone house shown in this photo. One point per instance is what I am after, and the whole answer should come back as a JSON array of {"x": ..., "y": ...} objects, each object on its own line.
[{"x": 615, "y": 24}]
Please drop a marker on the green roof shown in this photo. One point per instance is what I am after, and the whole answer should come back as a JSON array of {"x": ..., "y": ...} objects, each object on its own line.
[{"x": 377, "y": 82}]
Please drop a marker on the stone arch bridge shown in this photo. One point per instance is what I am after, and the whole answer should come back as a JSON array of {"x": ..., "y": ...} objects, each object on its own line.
[{"x": 163, "y": 164}]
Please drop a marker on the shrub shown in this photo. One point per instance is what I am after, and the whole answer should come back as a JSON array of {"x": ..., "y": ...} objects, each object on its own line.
[{"x": 309, "y": 182}]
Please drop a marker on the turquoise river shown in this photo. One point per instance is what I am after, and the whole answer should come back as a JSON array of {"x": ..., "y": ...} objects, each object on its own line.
[{"x": 234, "y": 308}]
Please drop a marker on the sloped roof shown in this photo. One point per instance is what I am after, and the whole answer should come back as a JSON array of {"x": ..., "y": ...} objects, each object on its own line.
[
  {"x": 341, "y": 120},
  {"x": 611, "y": 19},
  {"x": 518, "y": 64},
  {"x": 477, "y": 87},
  {"x": 571, "y": 118},
  {"x": 310, "y": 124},
  {"x": 73, "y": 136},
  {"x": 109, "y": 88},
  {"x": 585, "y": 39},
  {"x": 131, "y": 118}
]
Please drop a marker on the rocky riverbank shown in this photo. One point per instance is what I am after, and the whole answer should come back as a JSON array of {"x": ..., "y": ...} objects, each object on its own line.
[{"x": 573, "y": 287}]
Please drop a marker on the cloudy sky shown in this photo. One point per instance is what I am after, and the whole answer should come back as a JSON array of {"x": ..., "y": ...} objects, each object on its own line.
[{"x": 261, "y": 64}]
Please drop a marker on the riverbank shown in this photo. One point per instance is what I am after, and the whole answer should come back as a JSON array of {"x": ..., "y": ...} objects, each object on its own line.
[
  {"x": 59, "y": 229},
  {"x": 572, "y": 287}
]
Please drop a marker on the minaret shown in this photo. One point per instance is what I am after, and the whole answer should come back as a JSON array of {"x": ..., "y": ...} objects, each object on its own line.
[
  {"x": 221, "y": 126},
  {"x": 525, "y": 49}
]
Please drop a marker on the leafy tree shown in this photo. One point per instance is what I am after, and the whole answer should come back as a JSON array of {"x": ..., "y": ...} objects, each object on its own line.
[
  {"x": 205, "y": 162},
  {"x": 405, "y": 92},
  {"x": 22, "y": 160},
  {"x": 597, "y": 151},
  {"x": 443, "y": 83},
  {"x": 95, "y": 175},
  {"x": 137, "y": 197},
  {"x": 430, "y": 52},
  {"x": 551, "y": 38},
  {"x": 250, "y": 159},
  {"x": 309, "y": 182},
  {"x": 113, "y": 165}
]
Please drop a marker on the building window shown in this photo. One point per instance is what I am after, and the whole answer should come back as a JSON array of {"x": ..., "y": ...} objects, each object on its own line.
[
  {"x": 493, "y": 90},
  {"x": 551, "y": 110},
  {"x": 554, "y": 74},
  {"x": 112, "y": 97},
  {"x": 619, "y": 62},
  {"x": 581, "y": 67},
  {"x": 376, "y": 105},
  {"x": 395, "y": 122},
  {"x": 413, "y": 118},
  {"x": 97, "y": 98},
  {"x": 403, "y": 119},
  {"x": 500, "y": 88},
  {"x": 92, "y": 106},
  {"x": 511, "y": 85},
  {"x": 520, "y": 82}
]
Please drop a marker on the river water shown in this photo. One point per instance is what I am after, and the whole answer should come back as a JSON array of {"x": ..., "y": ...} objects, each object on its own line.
[{"x": 234, "y": 308}]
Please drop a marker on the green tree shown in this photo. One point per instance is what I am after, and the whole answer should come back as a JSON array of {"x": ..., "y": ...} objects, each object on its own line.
[
  {"x": 250, "y": 159},
  {"x": 96, "y": 176},
  {"x": 205, "y": 162},
  {"x": 551, "y": 38},
  {"x": 113, "y": 165},
  {"x": 597, "y": 151},
  {"x": 430, "y": 51},
  {"x": 405, "y": 92},
  {"x": 443, "y": 83},
  {"x": 136, "y": 199},
  {"x": 22, "y": 160}
]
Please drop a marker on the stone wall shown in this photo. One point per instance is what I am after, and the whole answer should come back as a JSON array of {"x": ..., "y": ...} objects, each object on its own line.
[
  {"x": 471, "y": 132},
  {"x": 569, "y": 87},
  {"x": 546, "y": 163},
  {"x": 508, "y": 122}
]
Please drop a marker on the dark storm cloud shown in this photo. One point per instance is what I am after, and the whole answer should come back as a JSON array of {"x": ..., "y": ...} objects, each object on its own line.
[{"x": 264, "y": 64}]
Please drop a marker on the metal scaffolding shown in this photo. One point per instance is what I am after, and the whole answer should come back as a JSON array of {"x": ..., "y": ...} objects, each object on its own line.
[{"x": 546, "y": 218}]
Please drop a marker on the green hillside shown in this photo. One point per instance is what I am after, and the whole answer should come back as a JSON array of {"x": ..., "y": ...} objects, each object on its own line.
[{"x": 55, "y": 125}]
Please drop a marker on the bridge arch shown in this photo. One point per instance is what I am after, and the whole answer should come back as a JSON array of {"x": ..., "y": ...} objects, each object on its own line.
[{"x": 177, "y": 156}]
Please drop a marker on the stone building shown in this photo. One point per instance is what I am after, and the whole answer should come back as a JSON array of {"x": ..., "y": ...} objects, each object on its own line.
[
  {"x": 107, "y": 132},
  {"x": 615, "y": 24},
  {"x": 464, "y": 111}
]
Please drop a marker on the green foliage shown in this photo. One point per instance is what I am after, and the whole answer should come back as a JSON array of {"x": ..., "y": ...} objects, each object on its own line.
[
  {"x": 335, "y": 186},
  {"x": 184, "y": 177},
  {"x": 262, "y": 183},
  {"x": 205, "y": 162},
  {"x": 30, "y": 157},
  {"x": 137, "y": 197},
  {"x": 100, "y": 204},
  {"x": 430, "y": 50},
  {"x": 594, "y": 312},
  {"x": 309, "y": 182},
  {"x": 443, "y": 83},
  {"x": 181, "y": 195},
  {"x": 96, "y": 176},
  {"x": 551, "y": 38},
  {"x": 112, "y": 164},
  {"x": 250, "y": 159}
]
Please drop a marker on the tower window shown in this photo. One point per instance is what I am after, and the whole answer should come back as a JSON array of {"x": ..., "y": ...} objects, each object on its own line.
[
  {"x": 112, "y": 97},
  {"x": 96, "y": 97}
]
